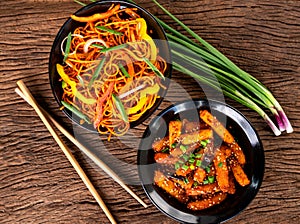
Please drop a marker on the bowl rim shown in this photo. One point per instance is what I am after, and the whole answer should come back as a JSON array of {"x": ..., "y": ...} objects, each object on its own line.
[
  {"x": 181, "y": 216},
  {"x": 73, "y": 117}
]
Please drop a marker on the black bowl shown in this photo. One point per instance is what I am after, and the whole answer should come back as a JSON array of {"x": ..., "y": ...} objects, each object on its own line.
[
  {"x": 70, "y": 25},
  {"x": 243, "y": 132}
]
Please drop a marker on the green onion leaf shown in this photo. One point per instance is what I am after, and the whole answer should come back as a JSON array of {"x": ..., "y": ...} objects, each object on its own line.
[
  {"x": 165, "y": 149},
  {"x": 198, "y": 156},
  {"x": 96, "y": 73},
  {"x": 103, "y": 28},
  {"x": 80, "y": 3},
  {"x": 177, "y": 166},
  {"x": 75, "y": 111},
  {"x": 198, "y": 163},
  {"x": 120, "y": 107},
  {"x": 186, "y": 180},
  {"x": 195, "y": 184},
  {"x": 185, "y": 157},
  {"x": 205, "y": 182},
  {"x": 114, "y": 48},
  {"x": 173, "y": 145},
  {"x": 203, "y": 143},
  {"x": 191, "y": 160},
  {"x": 183, "y": 148},
  {"x": 220, "y": 164},
  {"x": 80, "y": 80},
  {"x": 124, "y": 72},
  {"x": 185, "y": 167},
  {"x": 211, "y": 179},
  {"x": 68, "y": 46},
  {"x": 207, "y": 169},
  {"x": 156, "y": 71},
  {"x": 98, "y": 46}
]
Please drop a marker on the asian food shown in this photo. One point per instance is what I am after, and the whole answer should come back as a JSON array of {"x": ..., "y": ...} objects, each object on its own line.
[
  {"x": 112, "y": 71},
  {"x": 199, "y": 163}
]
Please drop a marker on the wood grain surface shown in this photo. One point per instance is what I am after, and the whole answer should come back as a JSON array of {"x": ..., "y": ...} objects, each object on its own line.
[{"x": 38, "y": 184}]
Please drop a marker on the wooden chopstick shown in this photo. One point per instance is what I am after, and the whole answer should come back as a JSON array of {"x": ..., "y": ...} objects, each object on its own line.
[
  {"x": 86, "y": 151},
  {"x": 66, "y": 151}
]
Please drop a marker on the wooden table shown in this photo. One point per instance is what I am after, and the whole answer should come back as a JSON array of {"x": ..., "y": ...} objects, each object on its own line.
[{"x": 38, "y": 184}]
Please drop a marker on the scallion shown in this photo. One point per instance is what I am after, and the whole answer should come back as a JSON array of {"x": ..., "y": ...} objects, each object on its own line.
[
  {"x": 211, "y": 179},
  {"x": 165, "y": 149},
  {"x": 198, "y": 163},
  {"x": 103, "y": 28},
  {"x": 220, "y": 164},
  {"x": 75, "y": 111},
  {"x": 120, "y": 107},
  {"x": 96, "y": 73},
  {"x": 154, "y": 69},
  {"x": 68, "y": 46},
  {"x": 185, "y": 167},
  {"x": 183, "y": 148},
  {"x": 124, "y": 72},
  {"x": 114, "y": 48}
]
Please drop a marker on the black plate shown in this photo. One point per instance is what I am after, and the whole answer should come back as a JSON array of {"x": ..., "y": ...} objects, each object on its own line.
[
  {"x": 243, "y": 132},
  {"x": 70, "y": 25}
]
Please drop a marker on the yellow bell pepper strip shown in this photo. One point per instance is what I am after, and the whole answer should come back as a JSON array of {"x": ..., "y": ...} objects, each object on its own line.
[
  {"x": 146, "y": 37},
  {"x": 66, "y": 79},
  {"x": 97, "y": 16},
  {"x": 143, "y": 98}
]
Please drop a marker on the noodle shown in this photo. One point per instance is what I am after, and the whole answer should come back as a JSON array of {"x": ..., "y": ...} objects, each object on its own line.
[{"x": 106, "y": 57}]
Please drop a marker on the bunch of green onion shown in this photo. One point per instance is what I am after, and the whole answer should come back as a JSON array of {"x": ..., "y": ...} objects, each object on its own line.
[{"x": 222, "y": 74}]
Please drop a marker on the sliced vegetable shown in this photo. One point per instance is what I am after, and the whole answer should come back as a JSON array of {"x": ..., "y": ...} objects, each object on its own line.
[
  {"x": 96, "y": 73},
  {"x": 68, "y": 45},
  {"x": 75, "y": 111},
  {"x": 120, "y": 107},
  {"x": 114, "y": 48},
  {"x": 124, "y": 72},
  {"x": 103, "y": 28},
  {"x": 156, "y": 71}
]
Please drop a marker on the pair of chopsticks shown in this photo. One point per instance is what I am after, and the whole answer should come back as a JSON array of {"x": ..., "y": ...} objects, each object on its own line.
[{"x": 24, "y": 92}]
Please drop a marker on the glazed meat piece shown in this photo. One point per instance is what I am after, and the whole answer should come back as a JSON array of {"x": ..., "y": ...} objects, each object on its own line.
[
  {"x": 212, "y": 121},
  {"x": 169, "y": 186},
  {"x": 174, "y": 132},
  {"x": 160, "y": 144},
  {"x": 221, "y": 169},
  {"x": 203, "y": 189},
  {"x": 239, "y": 174},
  {"x": 196, "y": 136},
  {"x": 207, "y": 202}
]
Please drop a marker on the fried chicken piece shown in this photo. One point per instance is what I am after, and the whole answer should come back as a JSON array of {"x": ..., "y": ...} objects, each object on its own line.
[
  {"x": 239, "y": 174},
  {"x": 213, "y": 122},
  {"x": 174, "y": 131},
  {"x": 170, "y": 187},
  {"x": 196, "y": 136},
  {"x": 207, "y": 202},
  {"x": 221, "y": 169},
  {"x": 203, "y": 189}
]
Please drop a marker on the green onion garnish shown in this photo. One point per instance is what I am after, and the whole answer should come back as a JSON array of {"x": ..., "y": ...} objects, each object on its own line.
[
  {"x": 120, "y": 107},
  {"x": 191, "y": 160},
  {"x": 211, "y": 179},
  {"x": 75, "y": 111},
  {"x": 98, "y": 46},
  {"x": 96, "y": 73},
  {"x": 124, "y": 72},
  {"x": 195, "y": 184},
  {"x": 205, "y": 182},
  {"x": 114, "y": 48},
  {"x": 203, "y": 143},
  {"x": 198, "y": 156},
  {"x": 173, "y": 145},
  {"x": 220, "y": 164},
  {"x": 156, "y": 71},
  {"x": 165, "y": 149},
  {"x": 80, "y": 3},
  {"x": 183, "y": 148},
  {"x": 198, "y": 163},
  {"x": 177, "y": 166},
  {"x": 185, "y": 157},
  {"x": 103, "y": 28},
  {"x": 185, "y": 167},
  {"x": 80, "y": 80},
  {"x": 207, "y": 169},
  {"x": 68, "y": 46},
  {"x": 186, "y": 180}
]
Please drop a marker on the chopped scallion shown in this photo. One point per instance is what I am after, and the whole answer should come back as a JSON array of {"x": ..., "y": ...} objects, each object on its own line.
[
  {"x": 205, "y": 182},
  {"x": 165, "y": 149},
  {"x": 156, "y": 71},
  {"x": 198, "y": 163},
  {"x": 103, "y": 28},
  {"x": 211, "y": 179},
  {"x": 68, "y": 46},
  {"x": 185, "y": 167},
  {"x": 120, "y": 107},
  {"x": 191, "y": 160},
  {"x": 96, "y": 73},
  {"x": 183, "y": 148},
  {"x": 207, "y": 169},
  {"x": 75, "y": 111},
  {"x": 173, "y": 145},
  {"x": 124, "y": 72},
  {"x": 220, "y": 164},
  {"x": 114, "y": 48},
  {"x": 185, "y": 157},
  {"x": 177, "y": 166}
]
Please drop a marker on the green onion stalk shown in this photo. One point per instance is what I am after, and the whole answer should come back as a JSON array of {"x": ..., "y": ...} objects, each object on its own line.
[
  {"x": 195, "y": 58},
  {"x": 235, "y": 82}
]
